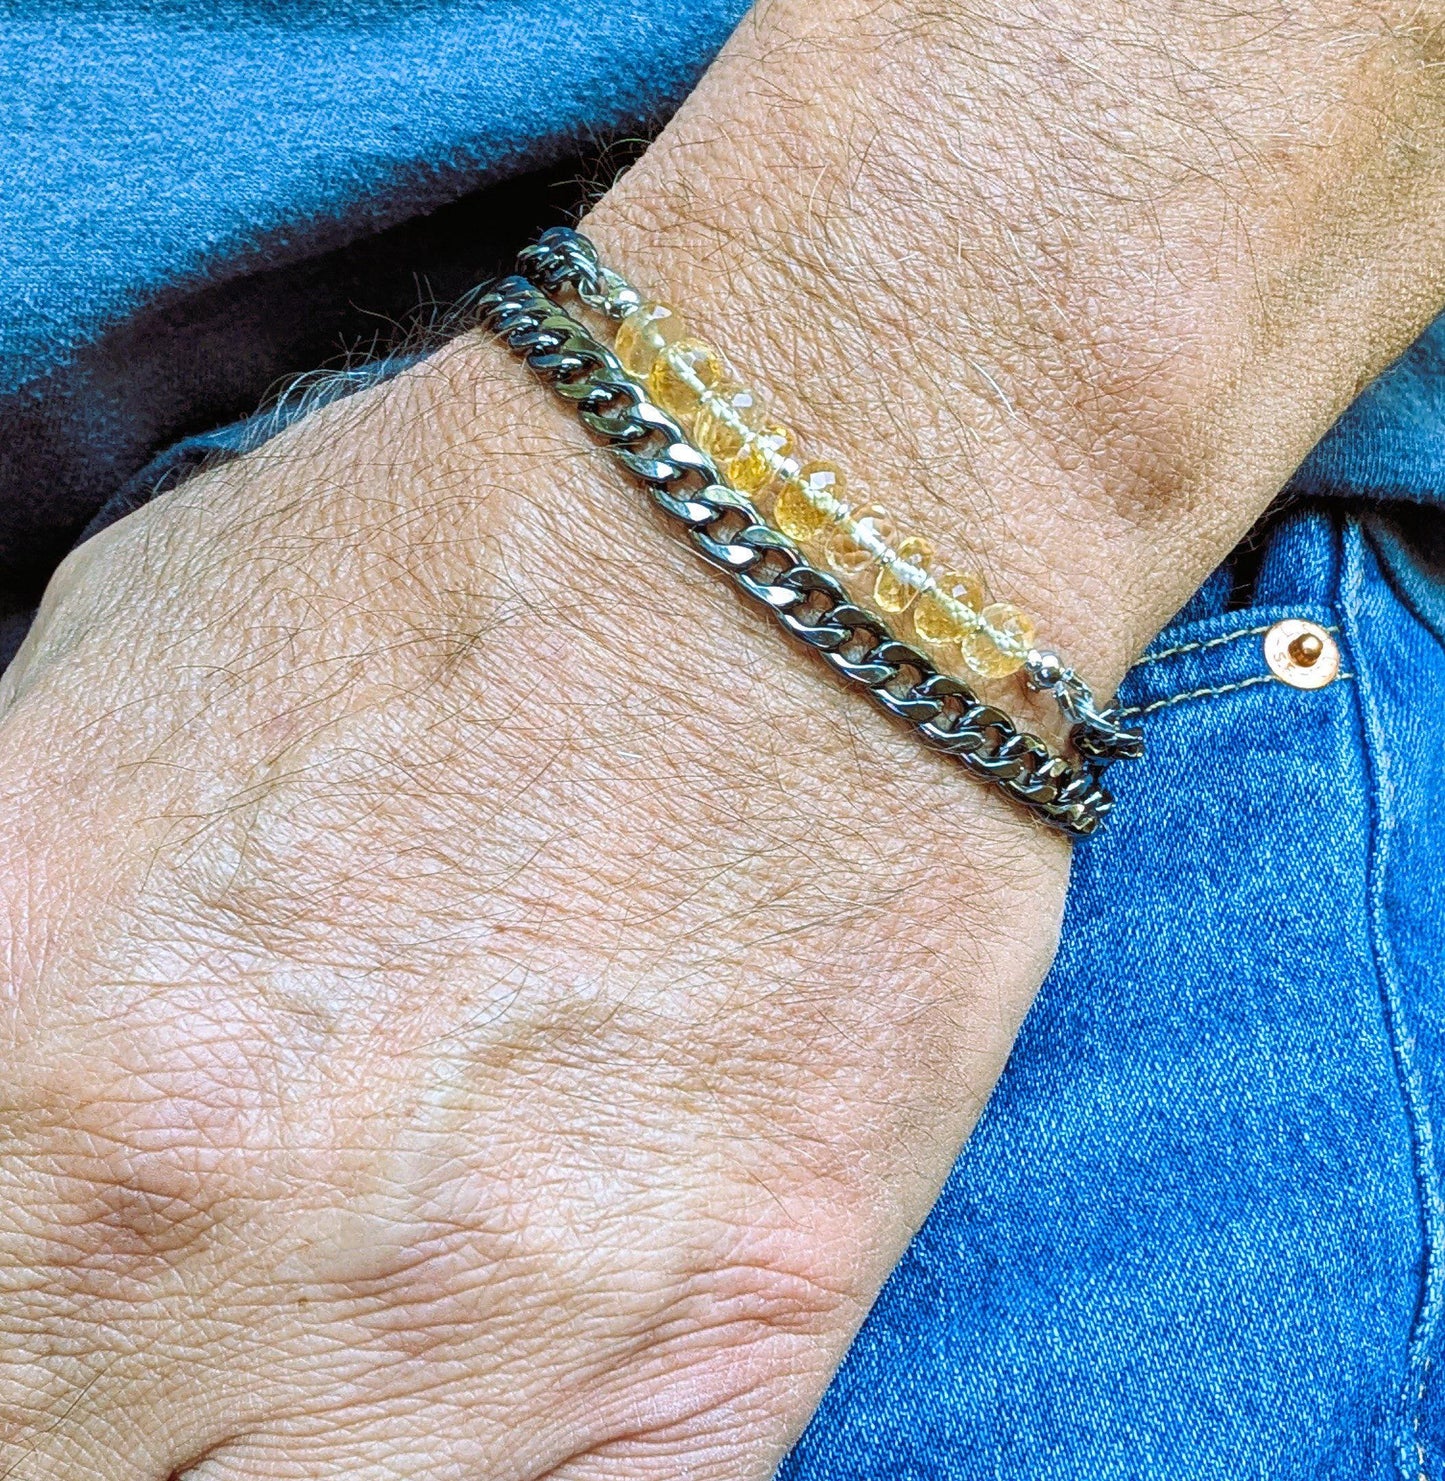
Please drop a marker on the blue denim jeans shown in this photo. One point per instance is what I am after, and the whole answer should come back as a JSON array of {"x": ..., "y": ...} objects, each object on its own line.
[{"x": 1197, "y": 1232}]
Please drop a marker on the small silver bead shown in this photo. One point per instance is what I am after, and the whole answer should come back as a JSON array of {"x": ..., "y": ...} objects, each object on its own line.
[
  {"x": 1044, "y": 669},
  {"x": 622, "y": 303}
]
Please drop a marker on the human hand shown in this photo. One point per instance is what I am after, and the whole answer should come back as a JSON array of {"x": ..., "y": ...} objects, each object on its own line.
[{"x": 476, "y": 1002}]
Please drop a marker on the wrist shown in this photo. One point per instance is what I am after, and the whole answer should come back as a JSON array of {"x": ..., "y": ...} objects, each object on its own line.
[{"x": 1079, "y": 371}]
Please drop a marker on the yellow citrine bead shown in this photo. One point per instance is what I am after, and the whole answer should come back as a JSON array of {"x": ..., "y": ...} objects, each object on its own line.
[
  {"x": 1003, "y": 650},
  {"x": 852, "y": 549},
  {"x": 943, "y": 615},
  {"x": 755, "y": 464},
  {"x": 892, "y": 592},
  {"x": 728, "y": 416},
  {"x": 810, "y": 501},
  {"x": 644, "y": 334},
  {"x": 681, "y": 376}
]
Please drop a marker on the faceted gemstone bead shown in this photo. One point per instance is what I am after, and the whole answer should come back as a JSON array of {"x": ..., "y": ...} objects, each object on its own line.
[
  {"x": 936, "y": 614},
  {"x": 680, "y": 376},
  {"x": 995, "y": 656},
  {"x": 643, "y": 334},
  {"x": 848, "y": 550},
  {"x": 810, "y": 501},
  {"x": 728, "y": 414},
  {"x": 891, "y": 592},
  {"x": 755, "y": 464}
]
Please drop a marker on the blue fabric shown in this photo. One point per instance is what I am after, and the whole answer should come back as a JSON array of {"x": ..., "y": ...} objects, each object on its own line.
[
  {"x": 1198, "y": 1231},
  {"x": 1391, "y": 443},
  {"x": 169, "y": 170}
]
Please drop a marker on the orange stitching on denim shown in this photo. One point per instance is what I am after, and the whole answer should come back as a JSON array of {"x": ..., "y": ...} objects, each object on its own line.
[
  {"x": 1175, "y": 699},
  {"x": 1248, "y": 632}
]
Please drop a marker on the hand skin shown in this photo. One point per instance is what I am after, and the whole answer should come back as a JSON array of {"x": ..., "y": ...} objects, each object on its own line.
[{"x": 476, "y": 1002}]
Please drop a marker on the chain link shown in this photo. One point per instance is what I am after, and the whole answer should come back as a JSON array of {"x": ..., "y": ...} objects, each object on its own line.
[
  {"x": 728, "y": 532},
  {"x": 563, "y": 258}
]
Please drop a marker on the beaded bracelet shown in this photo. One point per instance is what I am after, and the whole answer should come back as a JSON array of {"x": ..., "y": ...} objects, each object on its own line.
[
  {"x": 949, "y": 611},
  {"x": 726, "y": 529}
]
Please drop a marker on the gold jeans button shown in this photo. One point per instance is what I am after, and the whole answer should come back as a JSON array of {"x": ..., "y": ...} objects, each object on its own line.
[{"x": 1301, "y": 653}]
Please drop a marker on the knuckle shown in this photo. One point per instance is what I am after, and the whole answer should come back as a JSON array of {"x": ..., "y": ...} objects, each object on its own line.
[{"x": 113, "y": 1178}]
